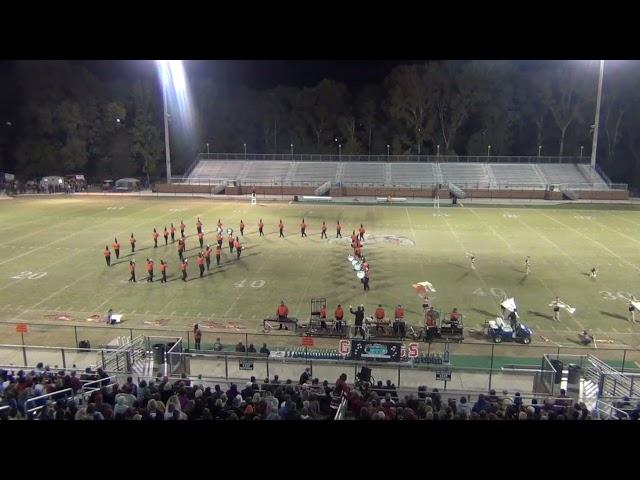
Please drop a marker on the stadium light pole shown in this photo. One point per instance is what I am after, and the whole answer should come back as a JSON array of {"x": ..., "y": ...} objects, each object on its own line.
[
  {"x": 488, "y": 150},
  {"x": 339, "y": 151},
  {"x": 581, "y": 150},
  {"x": 164, "y": 66},
  {"x": 292, "y": 149},
  {"x": 594, "y": 147},
  {"x": 387, "y": 152},
  {"x": 438, "y": 150},
  {"x": 207, "y": 150},
  {"x": 539, "y": 150}
]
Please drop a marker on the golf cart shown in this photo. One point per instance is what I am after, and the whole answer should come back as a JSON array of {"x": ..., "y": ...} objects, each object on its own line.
[{"x": 500, "y": 332}]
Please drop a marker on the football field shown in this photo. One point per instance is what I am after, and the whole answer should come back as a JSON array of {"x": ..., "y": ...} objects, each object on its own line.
[{"x": 52, "y": 268}]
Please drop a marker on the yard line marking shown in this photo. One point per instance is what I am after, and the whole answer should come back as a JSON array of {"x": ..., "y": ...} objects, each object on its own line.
[
  {"x": 553, "y": 328},
  {"x": 615, "y": 330},
  {"x": 629, "y": 329},
  {"x": 604, "y": 247},
  {"x": 637, "y": 364}
]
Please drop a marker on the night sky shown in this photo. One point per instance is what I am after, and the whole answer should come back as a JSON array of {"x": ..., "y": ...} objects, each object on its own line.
[{"x": 257, "y": 74}]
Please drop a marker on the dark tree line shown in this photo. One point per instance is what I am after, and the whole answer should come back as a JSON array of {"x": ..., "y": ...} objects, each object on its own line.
[{"x": 62, "y": 119}]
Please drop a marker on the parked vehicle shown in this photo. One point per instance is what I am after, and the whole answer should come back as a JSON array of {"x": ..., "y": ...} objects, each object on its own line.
[
  {"x": 499, "y": 332},
  {"x": 107, "y": 185}
]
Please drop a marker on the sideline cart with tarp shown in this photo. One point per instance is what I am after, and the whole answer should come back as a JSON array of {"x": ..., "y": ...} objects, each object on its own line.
[{"x": 500, "y": 331}]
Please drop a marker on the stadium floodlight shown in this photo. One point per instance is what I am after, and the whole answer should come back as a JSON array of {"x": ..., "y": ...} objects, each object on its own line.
[
  {"x": 172, "y": 75},
  {"x": 594, "y": 147}
]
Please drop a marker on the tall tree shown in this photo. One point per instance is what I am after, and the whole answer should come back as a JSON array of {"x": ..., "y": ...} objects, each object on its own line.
[{"x": 146, "y": 142}]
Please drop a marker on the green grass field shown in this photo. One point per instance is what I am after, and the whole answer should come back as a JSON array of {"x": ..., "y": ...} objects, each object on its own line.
[{"x": 60, "y": 242}]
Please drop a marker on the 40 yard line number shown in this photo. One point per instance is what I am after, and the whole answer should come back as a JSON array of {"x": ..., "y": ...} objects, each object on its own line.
[
  {"x": 254, "y": 284},
  {"x": 496, "y": 292}
]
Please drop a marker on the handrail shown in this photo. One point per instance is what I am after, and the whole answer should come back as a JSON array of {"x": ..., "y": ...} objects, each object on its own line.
[
  {"x": 342, "y": 409},
  {"x": 611, "y": 409},
  {"x": 99, "y": 382},
  {"x": 34, "y": 399}
]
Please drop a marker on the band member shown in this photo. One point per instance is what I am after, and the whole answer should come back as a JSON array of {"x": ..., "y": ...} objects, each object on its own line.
[
  {"x": 281, "y": 228},
  {"x": 379, "y": 316},
  {"x": 454, "y": 316},
  {"x": 365, "y": 265},
  {"x": 231, "y": 239},
  {"x": 338, "y": 315},
  {"x": 323, "y": 317},
  {"x": 132, "y": 270},
  {"x": 556, "y": 309},
  {"x": 358, "y": 251},
  {"x": 430, "y": 323},
  {"x": 116, "y": 248},
  {"x": 324, "y": 231},
  {"x": 155, "y": 235},
  {"x": 473, "y": 261},
  {"x": 585, "y": 338},
  {"x": 183, "y": 267},
  {"x": 366, "y": 278},
  {"x": 132, "y": 241},
  {"x": 513, "y": 321},
  {"x": 107, "y": 255},
  {"x": 219, "y": 224},
  {"x": 527, "y": 265},
  {"x": 593, "y": 273},
  {"x": 182, "y": 227},
  {"x": 238, "y": 247},
  {"x": 338, "y": 230},
  {"x": 181, "y": 247},
  {"x": 303, "y": 228},
  {"x": 149, "y": 270},
  {"x": 282, "y": 311},
  {"x": 260, "y": 227},
  {"x": 354, "y": 237},
  {"x": 632, "y": 310},
  {"x": 359, "y": 318},
  {"x": 173, "y": 232},
  {"x": 165, "y": 234},
  {"x": 361, "y": 231},
  {"x": 199, "y": 225},
  {"x": 218, "y": 253},
  {"x": 399, "y": 326},
  {"x": 219, "y": 239},
  {"x": 201, "y": 238},
  {"x": 163, "y": 271},
  {"x": 197, "y": 335},
  {"x": 241, "y": 228},
  {"x": 200, "y": 261},
  {"x": 207, "y": 256}
]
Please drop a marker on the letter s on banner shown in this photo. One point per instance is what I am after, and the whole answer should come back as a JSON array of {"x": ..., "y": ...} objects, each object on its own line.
[{"x": 413, "y": 350}]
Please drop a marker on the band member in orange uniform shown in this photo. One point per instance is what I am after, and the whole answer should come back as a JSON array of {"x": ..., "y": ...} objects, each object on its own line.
[
  {"x": 163, "y": 270},
  {"x": 324, "y": 231},
  {"x": 260, "y": 227},
  {"x": 338, "y": 230},
  {"x": 132, "y": 241},
  {"x": 107, "y": 255},
  {"x": 303, "y": 228},
  {"x": 238, "y": 247},
  {"x": 116, "y": 248},
  {"x": 155, "y": 235},
  {"x": 165, "y": 233},
  {"x": 241, "y": 227},
  {"x": 173, "y": 232},
  {"x": 281, "y": 228}
]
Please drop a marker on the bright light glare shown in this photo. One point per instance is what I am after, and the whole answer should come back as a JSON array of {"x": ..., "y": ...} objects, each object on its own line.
[{"x": 174, "y": 79}]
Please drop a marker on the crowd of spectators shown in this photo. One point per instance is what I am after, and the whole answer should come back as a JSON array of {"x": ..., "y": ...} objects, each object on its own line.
[{"x": 271, "y": 399}]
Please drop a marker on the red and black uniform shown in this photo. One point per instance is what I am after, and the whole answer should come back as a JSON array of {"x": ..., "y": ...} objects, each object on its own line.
[
  {"x": 361, "y": 230},
  {"x": 150, "y": 271},
  {"x": 163, "y": 270},
  {"x": 173, "y": 233},
  {"x": 303, "y": 228},
  {"x": 241, "y": 228},
  {"x": 201, "y": 238},
  {"x": 219, "y": 224},
  {"x": 155, "y": 238},
  {"x": 180, "y": 248},
  {"x": 218, "y": 254},
  {"x": 219, "y": 239},
  {"x": 281, "y": 228},
  {"x": 339, "y": 315},
  {"x": 116, "y": 248},
  {"x": 323, "y": 317},
  {"x": 379, "y": 315},
  {"x": 338, "y": 230},
  {"x": 260, "y": 227},
  {"x": 107, "y": 256},
  {"x": 166, "y": 235},
  {"x": 399, "y": 326},
  {"x": 231, "y": 240},
  {"x": 132, "y": 270},
  {"x": 238, "y": 247},
  {"x": 182, "y": 227},
  {"x": 132, "y": 241},
  {"x": 200, "y": 260},
  {"x": 282, "y": 311},
  {"x": 183, "y": 267},
  {"x": 324, "y": 231},
  {"x": 207, "y": 256},
  {"x": 199, "y": 225},
  {"x": 367, "y": 275}
]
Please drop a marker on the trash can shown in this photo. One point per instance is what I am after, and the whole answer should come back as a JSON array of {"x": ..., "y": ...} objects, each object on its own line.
[
  {"x": 573, "y": 378},
  {"x": 557, "y": 365},
  {"x": 158, "y": 353}
]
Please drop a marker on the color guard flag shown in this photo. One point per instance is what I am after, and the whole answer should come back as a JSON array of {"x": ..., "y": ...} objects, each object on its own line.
[{"x": 423, "y": 287}]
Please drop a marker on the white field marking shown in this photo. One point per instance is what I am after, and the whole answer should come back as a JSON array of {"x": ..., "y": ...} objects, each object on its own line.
[
  {"x": 637, "y": 364},
  {"x": 616, "y": 331},
  {"x": 616, "y": 231},
  {"x": 629, "y": 329},
  {"x": 464, "y": 249},
  {"x": 553, "y": 328},
  {"x": 55, "y": 293},
  {"x": 99, "y": 306},
  {"x": 604, "y": 247}
]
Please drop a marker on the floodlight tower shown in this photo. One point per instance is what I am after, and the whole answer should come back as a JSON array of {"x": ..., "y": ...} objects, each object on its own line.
[
  {"x": 164, "y": 76},
  {"x": 594, "y": 146}
]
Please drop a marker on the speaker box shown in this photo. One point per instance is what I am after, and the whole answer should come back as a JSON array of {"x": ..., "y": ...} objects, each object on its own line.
[{"x": 365, "y": 374}]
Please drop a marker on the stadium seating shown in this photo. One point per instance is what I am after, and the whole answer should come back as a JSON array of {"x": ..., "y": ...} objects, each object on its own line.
[{"x": 401, "y": 174}]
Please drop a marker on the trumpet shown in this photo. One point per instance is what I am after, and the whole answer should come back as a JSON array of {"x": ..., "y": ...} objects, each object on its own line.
[{"x": 561, "y": 304}]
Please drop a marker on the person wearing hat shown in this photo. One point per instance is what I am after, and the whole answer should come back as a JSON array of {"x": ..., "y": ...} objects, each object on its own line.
[
  {"x": 399, "y": 326},
  {"x": 207, "y": 256},
  {"x": 338, "y": 315},
  {"x": 201, "y": 238},
  {"x": 116, "y": 248},
  {"x": 107, "y": 255},
  {"x": 132, "y": 241},
  {"x": 132, "y": 269},
  {"x": 199, "y": 225},
  {"x": 165, "y": 233},
  {"x": 173, "y": 233},
  {"x": 149, "y": 270},
  {"x": 182, "y": 227},
  {"x": 218, "y": 253},
  {"x": 155, "y": 236},
  {"x": 163, "y": 271},
  {"x": 183, "y": 267},
  {"x": 241, "y": 228},
  {"x": 200, "y": 262},
  {"x": 238, "y": 247}
]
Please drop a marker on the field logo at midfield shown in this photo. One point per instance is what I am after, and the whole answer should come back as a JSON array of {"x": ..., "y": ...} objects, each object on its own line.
[{"x": 379, "y": 239}]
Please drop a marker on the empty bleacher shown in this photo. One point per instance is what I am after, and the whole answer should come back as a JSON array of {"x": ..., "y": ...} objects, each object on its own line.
[
  {"x": 214, "y": 169},
  {"x": 465, "y": 174},
  {"x": 556, "y": 174},
  {"x": 516, "y": 174},
  {"x": 364, "y": 173},
  {"x": 405, "y": 174},
  {"x": 260, "y": 172},
  {"x": 315, "y": 172}
]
